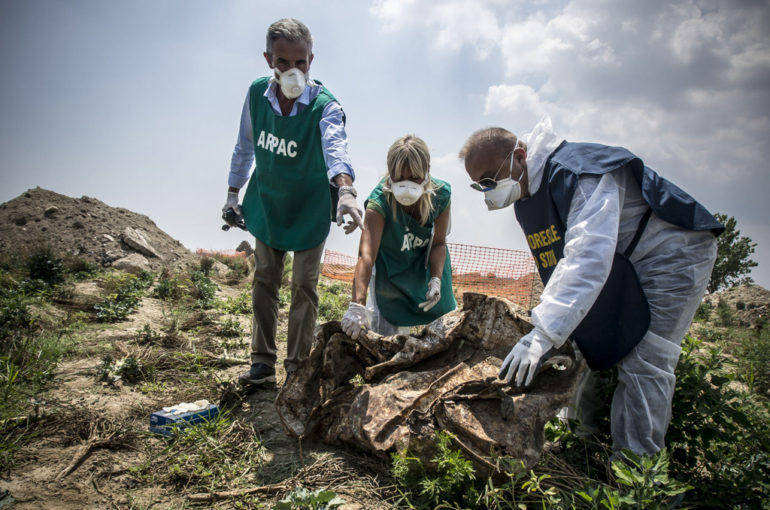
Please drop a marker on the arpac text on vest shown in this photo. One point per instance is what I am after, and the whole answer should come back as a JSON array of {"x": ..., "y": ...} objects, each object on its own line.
[{"x": 279, "y": 146}]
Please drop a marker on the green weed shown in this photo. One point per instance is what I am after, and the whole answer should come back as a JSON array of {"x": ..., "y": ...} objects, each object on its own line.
[
  {"x": 725, "y": 316},
  {"x": 43, "y": 265},
  {"x": 719, "y": 438},
  {"x": 128, "y": 369},
  {"x": 703, "y": 313},
  {"x": 303, "y": 499},
  {"x": 231, "y": 328},
  {"x": 333, "y": 301},
  {"x": 147, "y": 336},
  {"x": 206, "y": 456},
  {"x": 204, "y": 290},
  {"x": 170, "y": 287},
  {"x": 239, "y": 305},
  {"x": 452, "y": 481},
  {"x": 753, "y": 360},
  {"x": 127, "y": 296}
]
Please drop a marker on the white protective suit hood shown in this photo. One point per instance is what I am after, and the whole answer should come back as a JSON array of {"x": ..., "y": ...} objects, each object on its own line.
[{"x": 541, "y": 142}]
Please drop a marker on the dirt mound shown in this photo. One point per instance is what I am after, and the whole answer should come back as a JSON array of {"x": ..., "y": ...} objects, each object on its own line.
[
  {"x": 750, "y": 303},
  {"x": 87, "y": 228}
]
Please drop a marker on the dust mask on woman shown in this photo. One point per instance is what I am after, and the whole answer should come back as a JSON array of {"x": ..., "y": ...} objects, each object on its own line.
[{"x": 407, "y": 192}]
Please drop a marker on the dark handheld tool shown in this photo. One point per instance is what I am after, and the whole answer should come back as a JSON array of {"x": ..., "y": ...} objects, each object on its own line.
[{"x": 232, "y": 219}]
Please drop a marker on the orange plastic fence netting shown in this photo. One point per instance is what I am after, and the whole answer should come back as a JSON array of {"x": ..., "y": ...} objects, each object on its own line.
[{"x": 493, "y": 271}]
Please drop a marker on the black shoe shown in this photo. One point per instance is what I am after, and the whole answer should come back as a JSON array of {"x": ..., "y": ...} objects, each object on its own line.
[{"x": 259, "y": 373}]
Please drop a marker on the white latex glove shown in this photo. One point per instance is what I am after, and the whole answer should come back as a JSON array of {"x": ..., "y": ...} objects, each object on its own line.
[
  {"x": 354, "y": 320},
  {"x": 232, "y": 201},
  {"x": 433, "y": 295},
  {"x": 524, "y": 358},
  {"x": 349, "y": 205}
]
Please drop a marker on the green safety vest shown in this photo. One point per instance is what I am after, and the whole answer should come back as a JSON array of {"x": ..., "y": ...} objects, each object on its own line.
[
  {"x": 401, "y": 276},
  {"x": 289, "y": 203}
]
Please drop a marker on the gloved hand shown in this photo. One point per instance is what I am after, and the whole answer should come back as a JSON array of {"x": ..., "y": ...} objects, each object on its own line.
[
  {"x": 232, "y": 202},
  {"x": 348, "y": 205},
  {"x": 354, "y": 320},
  {"x": 524, "y": 358},
  {"x": 433, "y": 295}
]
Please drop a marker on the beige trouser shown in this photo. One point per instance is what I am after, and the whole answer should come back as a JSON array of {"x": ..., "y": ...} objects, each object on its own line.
[{"x": 302, "y": 311}]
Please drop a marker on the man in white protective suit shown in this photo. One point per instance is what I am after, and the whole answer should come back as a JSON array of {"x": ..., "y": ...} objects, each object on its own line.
[{"x": 625, "y": 257}]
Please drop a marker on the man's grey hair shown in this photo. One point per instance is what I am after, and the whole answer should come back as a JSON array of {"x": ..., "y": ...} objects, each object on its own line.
[
  {"x": 290, "y": 29},
  {"x": 495, "y": 140}
]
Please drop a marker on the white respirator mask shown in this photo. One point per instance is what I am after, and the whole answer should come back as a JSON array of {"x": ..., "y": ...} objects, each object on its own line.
[
  {"x": 407, "y": 192},
  {"x": 292, "y": 82},
  {"x": 505, "y": 192}
]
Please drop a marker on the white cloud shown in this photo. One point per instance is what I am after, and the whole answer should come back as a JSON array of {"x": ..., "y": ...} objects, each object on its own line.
[
  {"x": 685, "y": 85},
  {"x": 455, "y": 23},
  {"x": 521, "y": 100}
]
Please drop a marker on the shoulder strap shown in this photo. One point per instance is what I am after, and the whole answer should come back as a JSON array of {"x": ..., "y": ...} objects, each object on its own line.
[{"x": 639, "y": 231}]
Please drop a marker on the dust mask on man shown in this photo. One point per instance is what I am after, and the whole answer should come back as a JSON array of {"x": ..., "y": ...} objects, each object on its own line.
[
  {"x": 292, "y": 82},
  {"x": 505, "y": 192}
]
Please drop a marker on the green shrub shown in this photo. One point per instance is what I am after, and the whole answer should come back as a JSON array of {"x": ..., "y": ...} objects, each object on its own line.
[
  {"x": 453, "y": 480},
  {"x": 284, "y": 297},
  {"x": 206, "y": 264},
  {"x": 147, "y": 335},
  {"x": 210, "y": 455},
  {"x": 81, "y": 269},
  {"x": 204, "y": 290},
  {"x": 719, "y": 438},
  {"x": 703, "y": 313},
  {"x": 301, "y": 499},
  {"x": 753, "y": 360},
  {"x": 725, "y": 316},
  {"x": 28, "y": 360},
  {"x": 712, "y": 335},
  {"x": 45, "y": 266},
  {"x": 231, "y": 328},
  {"x": 15, "y": 317},
  {"x": 170, "y": 287},
  {"x": 238, "y": 305},
  {"x": 239, "y": 268},
  {"x": 126, "y": 298},
  {"x": 333, "y": 301},
  {"x": 128, "y": 369}
]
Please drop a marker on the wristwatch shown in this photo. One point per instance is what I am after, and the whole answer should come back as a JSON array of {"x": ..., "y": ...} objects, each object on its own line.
[{"x": 347, "y": 189}]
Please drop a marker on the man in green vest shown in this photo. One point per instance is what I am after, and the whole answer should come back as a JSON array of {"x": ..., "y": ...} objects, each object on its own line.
[{"x": 294, "y": 130}]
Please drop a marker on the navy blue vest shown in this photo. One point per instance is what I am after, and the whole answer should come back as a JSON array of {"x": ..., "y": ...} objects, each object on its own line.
[{"x": 620, "y": 316}]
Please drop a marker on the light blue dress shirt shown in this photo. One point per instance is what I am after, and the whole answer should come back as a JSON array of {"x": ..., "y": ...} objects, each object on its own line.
[{"x": 334, "y": 140}]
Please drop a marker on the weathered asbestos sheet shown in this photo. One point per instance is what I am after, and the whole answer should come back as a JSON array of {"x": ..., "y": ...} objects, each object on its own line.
[{"x": 385, "y": 394}]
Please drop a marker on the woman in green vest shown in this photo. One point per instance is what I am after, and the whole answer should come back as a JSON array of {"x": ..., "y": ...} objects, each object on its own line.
[{"x": 404, "y": 240}]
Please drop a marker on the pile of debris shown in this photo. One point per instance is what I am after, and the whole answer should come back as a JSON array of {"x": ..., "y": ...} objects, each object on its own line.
[
  {"x": 749, "y": 303},
  {"x": 89, "y": 229},
  {"x": 385, "y": 394}
]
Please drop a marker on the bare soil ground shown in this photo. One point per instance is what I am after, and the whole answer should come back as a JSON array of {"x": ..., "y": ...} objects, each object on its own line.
[
  {"x": 87, "y": 443},
  {"x": 89, "y": 446}
]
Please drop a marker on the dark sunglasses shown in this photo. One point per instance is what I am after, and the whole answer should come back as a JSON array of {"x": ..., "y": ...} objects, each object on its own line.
[{"x": 489, "y": 183}]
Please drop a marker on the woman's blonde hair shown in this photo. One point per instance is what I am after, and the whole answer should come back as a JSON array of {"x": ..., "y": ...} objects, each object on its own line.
[{"x": 410, "y": 152}]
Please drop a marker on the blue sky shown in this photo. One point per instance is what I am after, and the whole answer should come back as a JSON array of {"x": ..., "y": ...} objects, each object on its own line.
[{"x": 137, "y": 103}]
